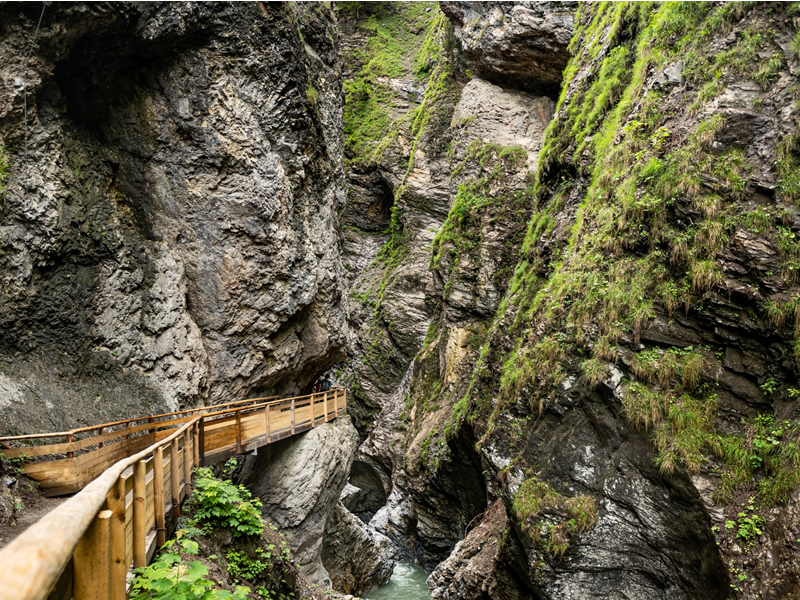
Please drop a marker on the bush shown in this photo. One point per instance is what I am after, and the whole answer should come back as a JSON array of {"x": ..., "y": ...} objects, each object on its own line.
[
  {"x": 170, "y": 578},
  {"x": 220, "y": 504}
]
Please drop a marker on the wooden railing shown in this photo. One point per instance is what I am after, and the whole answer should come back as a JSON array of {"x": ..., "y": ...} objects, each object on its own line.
[{"x": 84, "y": 548}]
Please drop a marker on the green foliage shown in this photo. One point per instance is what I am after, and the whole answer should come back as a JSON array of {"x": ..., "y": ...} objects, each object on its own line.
[
  {"x": 536, "y": 505},
  {"x": 169, "y": 577},
  {"x": 402, "y": 38},
  {"x": 222, "y": 504}
]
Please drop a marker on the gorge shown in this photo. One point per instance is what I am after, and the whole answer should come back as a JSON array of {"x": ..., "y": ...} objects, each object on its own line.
[{"x": 550, "y": 249}]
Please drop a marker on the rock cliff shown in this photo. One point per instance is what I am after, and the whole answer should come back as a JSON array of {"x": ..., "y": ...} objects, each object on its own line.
[
  {"x": 169, "y": 228},
  {"x": 606, "y": 343}
]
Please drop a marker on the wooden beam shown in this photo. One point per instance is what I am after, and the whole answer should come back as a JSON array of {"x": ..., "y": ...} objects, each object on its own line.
[
  {"x": 187, "y": 464},
  {"x": 202, "y": 442},
  {"x": 116, "y": 504},
  {"x": 266, "y": 423},
  {"x": 92, "y": 560},
  {"x": 175, "y": 483},
  {"x": 139, "y": 514},
  {"x": 238, "y": 432},
  {"x": 158, "y": 496},
  {"x": 292, "y": 415}
]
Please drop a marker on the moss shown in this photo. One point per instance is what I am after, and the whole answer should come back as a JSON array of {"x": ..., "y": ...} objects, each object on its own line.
[
  {"x": 401, "y": 38},
  {"x": 549, "y": 518}
]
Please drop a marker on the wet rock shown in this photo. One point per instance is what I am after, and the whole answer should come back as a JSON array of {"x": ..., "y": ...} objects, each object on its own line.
[
  {"x": 356, "y": 556},
  {"x": 299, "y": 481},
  {"x": 478, "y": 566}
]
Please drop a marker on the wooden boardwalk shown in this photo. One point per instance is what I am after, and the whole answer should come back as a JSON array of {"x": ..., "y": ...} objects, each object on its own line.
[{"x": 133, "y": 476}]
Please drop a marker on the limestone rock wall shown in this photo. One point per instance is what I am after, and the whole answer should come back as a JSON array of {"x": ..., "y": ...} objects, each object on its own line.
[{"x": 173, "y": 237}]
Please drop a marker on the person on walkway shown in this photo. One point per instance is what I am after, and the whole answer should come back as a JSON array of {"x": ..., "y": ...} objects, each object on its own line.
[{"x": 326, "y": 383}]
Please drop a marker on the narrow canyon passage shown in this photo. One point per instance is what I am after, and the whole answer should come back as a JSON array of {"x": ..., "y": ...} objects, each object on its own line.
[{"x": 549, "y": 248}]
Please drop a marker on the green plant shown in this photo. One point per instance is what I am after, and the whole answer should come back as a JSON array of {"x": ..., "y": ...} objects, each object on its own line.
[
  {"x": 170, "y": 578},
  {"x": 220, "y": 504},
  {"x": 769, "y": 386}
]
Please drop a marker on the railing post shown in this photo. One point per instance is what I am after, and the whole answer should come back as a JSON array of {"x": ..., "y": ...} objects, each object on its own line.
[
  {"x": 150, "y": 420},
  {"x": 127, "y": 426},
  {"x": 175, "y": 483},
  {"x": 92, "y": 560},
  {"x": 202, "y": 442},
  {"x": 238, "y": 432},
  {"x": 335, "y": 403},
  {"x": 291, "y": 415},
  {"x": 69, "y": 441},
  {"x": 267, "y": 424},
  {"x": 158, "y": 496},
  {"x": 139, "y": 513},
  {"x": 119, "y": 569},
  {"x": 99, "y": 433},
  {"x": 196, "y": 444},
  {"x": 312, "y": 410},
  {"x": 325, "y": 401},
  {"x": 187, "y": 464}
]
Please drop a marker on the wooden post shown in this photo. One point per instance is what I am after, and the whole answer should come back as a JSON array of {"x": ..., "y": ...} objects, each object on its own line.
[
  {"x": 325, "y": 402},
  {"x": 312, "y": 410},
  {"x": 336, "y": 403},
  {"x": 127, "y": 426},
  {"x": 158, "y": 496},
  {"x": 116, "y": 504},
  {"x": 99, "y": 433},
  {"x": 187, "y": 464},
  {"x": 291, "y": 415},
  {"x": 175, "y": 484},
  {"x": 69, "y": 441},
  {"x": 150, "y": 420},
  {"x": 196, "y": 444},
  {"x": 139, "y": 513},
  {"x": 238, "y": 432},
  {"x": 266, "y": 423},
  {"x": 202, "y": 442},
  {"x": 92, "y": 560}
]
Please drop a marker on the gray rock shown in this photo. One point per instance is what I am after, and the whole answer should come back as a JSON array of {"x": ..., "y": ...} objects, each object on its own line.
[
  {"x": 299, "y": 481},
  {"x": 173, "y": 239},
  {"x": 356, "y": 556},
  {"x": 521, "y": 45}
]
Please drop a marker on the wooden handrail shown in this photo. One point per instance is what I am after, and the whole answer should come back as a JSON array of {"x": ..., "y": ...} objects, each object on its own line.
[
  {"x": 90, "y": 528},
  {"x": 34, "y": 436}
]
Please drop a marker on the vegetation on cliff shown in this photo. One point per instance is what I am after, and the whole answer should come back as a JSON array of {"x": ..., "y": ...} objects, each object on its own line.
[
  {"x": 649, "y": 197},
  {"x": 222, "y": 550}
]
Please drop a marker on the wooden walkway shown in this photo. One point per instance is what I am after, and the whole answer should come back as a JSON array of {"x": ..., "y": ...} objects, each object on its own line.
[{"x": 133, "y": 476}]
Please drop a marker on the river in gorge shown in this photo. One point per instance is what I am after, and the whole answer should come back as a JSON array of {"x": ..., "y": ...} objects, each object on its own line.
[{"x": 407, "y": 583}]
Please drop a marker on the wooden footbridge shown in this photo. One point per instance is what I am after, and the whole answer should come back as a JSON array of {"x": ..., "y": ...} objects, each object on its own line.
[{"x": 131, "y": 477}]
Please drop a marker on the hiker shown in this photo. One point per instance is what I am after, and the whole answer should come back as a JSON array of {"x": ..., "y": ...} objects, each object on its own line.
[{"x": 326, "y": 383}]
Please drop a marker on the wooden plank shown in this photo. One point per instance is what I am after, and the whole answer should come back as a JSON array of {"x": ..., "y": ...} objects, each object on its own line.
[
  {"x": 266, "y": 423},
  {"x": 139, "y": 509},
  {"x": 175, "y": 481},
  {"x": 158, "y": 496},
  {"x": 292, "y": 417},
  {"x": 238, "y": 433},
  {"x": 196, "y": 444},
  {"x": 187, "y": 464},
  {"x": 62, "y": 590},
  {"x": 92, "y": 560},
  {"x": 116, "y": 504}
]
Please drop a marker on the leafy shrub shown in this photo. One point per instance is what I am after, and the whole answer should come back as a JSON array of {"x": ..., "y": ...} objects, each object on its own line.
[
  {"x": 220, "y": 504},
  {"x": 170, "y": 578}
]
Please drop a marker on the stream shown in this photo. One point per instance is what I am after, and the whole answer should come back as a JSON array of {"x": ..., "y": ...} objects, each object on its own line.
[{"x": 406, "y": 583}]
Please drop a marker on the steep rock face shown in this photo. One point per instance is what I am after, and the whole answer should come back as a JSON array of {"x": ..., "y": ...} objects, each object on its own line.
[
  {"x": 517, "y": 44},
  {"x": 632, "y": 395},
  {"x": 299, "y": 481},
  {"x": 172, "y": 238},
  {"x": 469, "y": 161},
  {"x": 353, "y": 554}
]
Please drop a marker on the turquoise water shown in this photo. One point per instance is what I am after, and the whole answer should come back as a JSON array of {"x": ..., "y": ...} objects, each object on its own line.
[{"x": 407, "y": 583}]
